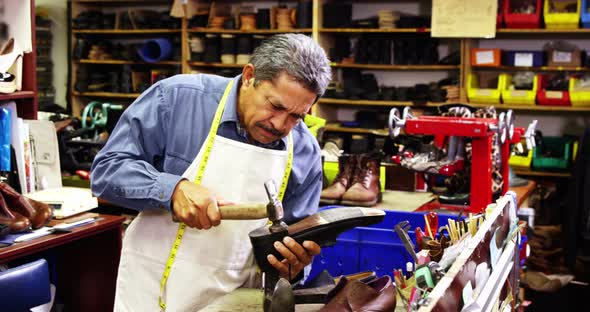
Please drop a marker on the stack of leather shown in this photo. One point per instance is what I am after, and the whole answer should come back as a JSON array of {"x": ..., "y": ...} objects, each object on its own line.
[
  {"x": 99, "y": 52},
  {"x": 263, "y": 19},
  {"x": 244, "y": 49},
  {"x": 357, "y": 182},
  {"x": 452, "y": 93},
  {"x": 387, "y": 19},
  {"x": 20, "y": 213},
  {"x": 228, "y": 49},
  {"x": 546, "y": 251},
  {"x": 217, "y": 22},
  {"x": 212, "y": 48},
  {"x": 247, "y": 21},
  {"x": 284, "y": 18}
]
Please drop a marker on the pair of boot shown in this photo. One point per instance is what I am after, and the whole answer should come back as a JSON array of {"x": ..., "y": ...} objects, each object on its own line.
[
  {"x": 20, "y": 213},
  {"x": 354, "y": 295},
  {"x": 357, "y": 182}
]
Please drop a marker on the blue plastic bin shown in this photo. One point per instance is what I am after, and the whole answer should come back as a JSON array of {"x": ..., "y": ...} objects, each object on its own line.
[
  {"x": 377, "y": 248},
  {"x": 536, "y": 58},
  {"x": 585, "y": 13}
]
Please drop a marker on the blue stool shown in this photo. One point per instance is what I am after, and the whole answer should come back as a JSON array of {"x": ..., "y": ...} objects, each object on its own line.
[{"x": 25, "y": 286}]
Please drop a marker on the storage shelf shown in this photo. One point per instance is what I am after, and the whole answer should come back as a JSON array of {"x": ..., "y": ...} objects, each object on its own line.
[
  {"x": 374, "y": 30},
  {"x": 125, "y": 31},
  {"x": 542, "y": 68},
  {"x": 218, "y": 65},
  {"x": 381, "y": 132},
  {"x": 17, "y": 95},
  {"x": 396, "y": 67},
  {"x": 542, "y": 31},
  {"x": 123, "y": 62},
  {"x": 254, "y": 31},
  {"x": 542, "y": 173},
  {"x": 535, "y": 107},
  {"x": 108, "y": 95},
  {"x": 110, "y": 2},
  {"x": 374, "y": 103}
]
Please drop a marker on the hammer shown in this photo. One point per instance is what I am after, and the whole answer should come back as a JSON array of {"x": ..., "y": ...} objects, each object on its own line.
[{"x": 252, "y": 211}]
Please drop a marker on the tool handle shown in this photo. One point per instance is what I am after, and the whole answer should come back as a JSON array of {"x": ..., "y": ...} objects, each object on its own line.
[{"x": 243, "y": 212}]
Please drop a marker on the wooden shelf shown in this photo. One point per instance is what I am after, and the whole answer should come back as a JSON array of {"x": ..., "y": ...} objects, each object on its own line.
[
  {"x": 542, "y": 68},
  {"x": 254, "y": 31},
  {"x": 396, "y": 67},
  {"x": 125, "y": 31},
  {"x": 123, "y": 62},
  {"x": 108, "y": 95},
  {"x": 543, "y": 31},
  {"x": 363, "y": 102},
  {"x": 218, "y": 65},
  {"x": 381, "y": 132},
  {"x": 542, "y": 173},
  {"x": 374, "y": 30},
  {"x": 535, "y": 107},
  {"x": 17, "y": 95}
]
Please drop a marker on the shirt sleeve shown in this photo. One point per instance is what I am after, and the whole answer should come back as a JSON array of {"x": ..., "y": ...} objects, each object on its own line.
[
  {"x": 303, "y": 201},
  {"x": 123, "y": 172}
]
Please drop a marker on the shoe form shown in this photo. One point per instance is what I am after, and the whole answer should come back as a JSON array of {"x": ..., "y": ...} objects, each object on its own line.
[{"x": 11, "y": 61}]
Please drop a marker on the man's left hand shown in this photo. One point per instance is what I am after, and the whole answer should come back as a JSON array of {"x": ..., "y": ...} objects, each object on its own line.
[{"x": 295, "y": 254}]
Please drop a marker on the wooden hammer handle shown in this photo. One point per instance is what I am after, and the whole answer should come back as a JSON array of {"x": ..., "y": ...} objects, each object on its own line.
[{"x": 243, "y": 212}]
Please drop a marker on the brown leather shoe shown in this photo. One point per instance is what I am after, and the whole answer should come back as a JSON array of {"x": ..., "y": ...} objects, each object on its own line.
[
  {"x": 15, "y": 221},
  {"x": 366, "y": 187},
  {"x": 353, "y": 295},
  {"x": 37, "y": 212},
  {"x": 333, "y": 193}
]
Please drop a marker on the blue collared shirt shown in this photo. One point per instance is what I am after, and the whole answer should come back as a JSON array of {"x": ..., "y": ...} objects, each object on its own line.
[{"x": 160, "y": 134}]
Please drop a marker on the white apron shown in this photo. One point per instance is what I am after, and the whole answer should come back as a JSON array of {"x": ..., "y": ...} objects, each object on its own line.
[{"x": 209, "y": 263}]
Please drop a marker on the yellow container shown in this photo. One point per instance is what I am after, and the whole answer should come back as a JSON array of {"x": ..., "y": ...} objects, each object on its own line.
[
  {"x": 521, "y": 162},
  {"x": 483, "y": 95},
  {"x": 331, "y": 170},
  {"x": 561, "y": 20},
  {"x": 519, "y": 97},
  {"x": 578, "y": 98}
]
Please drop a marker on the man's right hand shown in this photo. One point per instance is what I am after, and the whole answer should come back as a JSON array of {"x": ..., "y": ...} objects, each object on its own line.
[{"x": 195, "y": 205}]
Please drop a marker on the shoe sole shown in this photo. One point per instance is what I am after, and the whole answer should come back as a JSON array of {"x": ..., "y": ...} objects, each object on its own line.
[{"x": 329, "y": 201}]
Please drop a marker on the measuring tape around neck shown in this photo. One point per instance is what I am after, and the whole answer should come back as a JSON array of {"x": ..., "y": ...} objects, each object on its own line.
[{"x": 199, "y": 177}]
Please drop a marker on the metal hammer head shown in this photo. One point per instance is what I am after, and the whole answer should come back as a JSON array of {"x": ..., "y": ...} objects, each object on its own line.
[{"x": 274, "y": 207}]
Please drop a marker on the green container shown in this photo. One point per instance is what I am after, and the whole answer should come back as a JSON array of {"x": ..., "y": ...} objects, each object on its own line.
[{"x": 556, "y": 154}]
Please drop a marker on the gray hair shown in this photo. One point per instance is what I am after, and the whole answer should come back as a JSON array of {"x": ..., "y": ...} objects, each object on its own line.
[{"x": 298, "y": 56}]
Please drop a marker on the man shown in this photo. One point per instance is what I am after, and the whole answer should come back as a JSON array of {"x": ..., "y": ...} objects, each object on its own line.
[{"x": 229, "y": 136}]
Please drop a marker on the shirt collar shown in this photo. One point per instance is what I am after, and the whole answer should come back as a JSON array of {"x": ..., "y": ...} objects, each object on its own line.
[{"x": 230, "y": 114}]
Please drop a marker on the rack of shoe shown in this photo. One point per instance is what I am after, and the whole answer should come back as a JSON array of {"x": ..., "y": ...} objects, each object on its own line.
[
  {"x": 120, "y": 48},
  {"x": 25, "y": 80},
  {"x": 222, "y": 35},
  {"x": 45, "y": 88}
]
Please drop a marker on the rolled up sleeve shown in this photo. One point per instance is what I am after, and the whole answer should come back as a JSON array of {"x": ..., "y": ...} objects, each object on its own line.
[{"x": 123, "y": 172}]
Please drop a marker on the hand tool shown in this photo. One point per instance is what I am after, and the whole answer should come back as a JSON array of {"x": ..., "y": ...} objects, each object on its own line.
[{"x": 402, "y": 230}]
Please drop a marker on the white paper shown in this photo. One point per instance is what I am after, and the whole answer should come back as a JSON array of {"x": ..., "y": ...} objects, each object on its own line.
[
  {"x": 519, "y": 93},
  {"x": 562, "y": 57},
  {"x": 17, "y": 15},
  {"x": 16, "y": 142},
  {"x": 554, "y": 94},
  {"x": 484, "y": 57},
  {"x": 523, "y": 59},
  {"x": 484, "y": 92}
]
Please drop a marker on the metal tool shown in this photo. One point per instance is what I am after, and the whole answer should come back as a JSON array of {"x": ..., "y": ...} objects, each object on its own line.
[{"x": 402, "y": 230}]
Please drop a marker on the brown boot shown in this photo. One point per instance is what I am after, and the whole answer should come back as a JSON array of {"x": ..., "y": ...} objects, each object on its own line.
[
  {"x": 333, "y": 193},
  {"x": 37, "y": 212},
  {"x": 366, "y": 187},
  {"x": 354, "y": 295},
  {"x": 15, "y": 222}
]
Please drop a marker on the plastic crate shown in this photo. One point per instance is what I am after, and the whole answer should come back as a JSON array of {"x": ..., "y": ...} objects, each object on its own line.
[
  {"x": 521, "y": 162},
  {"x": 500, "y": 14},
  {"x": 518, "y": 20},
  {"x": 585, "y": 13},
  {"x": 561, "y": 146},
  {"x": 483, "y": 95},
  {"x": 523, "y": 58},
  {"x": 561, "y": 20},
  {"x": 486, "y": 57},
  {"x": 551, "y": 98},
  {"x": 520, "y": 97},
  {"x": 377, "y": 248},
  {"x": 578, "y": 98}
]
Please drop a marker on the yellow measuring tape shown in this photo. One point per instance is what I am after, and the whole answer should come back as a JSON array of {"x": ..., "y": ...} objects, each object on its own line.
[{"x": 199, "y": 178}]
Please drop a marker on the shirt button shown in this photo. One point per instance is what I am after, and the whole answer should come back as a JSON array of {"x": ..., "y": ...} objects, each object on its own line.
[
  {"x": 161, "y": 206},
  {"x": 161, "y": 196}
]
